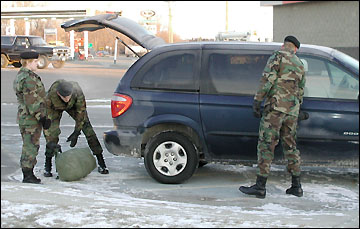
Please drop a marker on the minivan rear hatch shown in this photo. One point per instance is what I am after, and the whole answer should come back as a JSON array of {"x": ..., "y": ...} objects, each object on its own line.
[{"x": 123, "y": 25}]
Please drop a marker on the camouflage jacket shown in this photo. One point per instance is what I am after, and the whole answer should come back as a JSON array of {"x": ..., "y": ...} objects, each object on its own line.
[
  {"x": 282, "y": 83},
  {"x": 30, "y": 93},
  {"x": 76, "y": 105}
]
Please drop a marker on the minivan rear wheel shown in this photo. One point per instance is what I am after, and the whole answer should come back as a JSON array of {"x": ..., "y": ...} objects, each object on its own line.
[{"x": 170, "y": 158}]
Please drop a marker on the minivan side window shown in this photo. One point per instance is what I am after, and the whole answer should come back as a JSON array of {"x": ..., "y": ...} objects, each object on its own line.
[
  {"x": 325, "y": 79},
  {"x": 235, "y": 73},
  {"x": 343, "y": 85},
  {"x": 170, "y": 71}
]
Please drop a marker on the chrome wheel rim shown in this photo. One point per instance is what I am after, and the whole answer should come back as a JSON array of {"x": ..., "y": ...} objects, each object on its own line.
[{"x": 170, "y": 158}]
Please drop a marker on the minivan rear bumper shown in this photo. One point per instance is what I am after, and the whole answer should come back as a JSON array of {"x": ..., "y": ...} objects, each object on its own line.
[{"x": 123, "y": 142}]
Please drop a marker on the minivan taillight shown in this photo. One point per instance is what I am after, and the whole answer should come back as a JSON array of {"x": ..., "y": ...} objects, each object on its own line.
[{"x": 119, "y": 104}]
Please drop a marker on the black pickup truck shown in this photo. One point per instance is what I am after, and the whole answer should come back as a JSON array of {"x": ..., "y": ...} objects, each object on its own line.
[{"x": 12, "y": 46}]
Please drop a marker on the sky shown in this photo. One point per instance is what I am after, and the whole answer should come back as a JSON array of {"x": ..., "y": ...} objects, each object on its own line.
[
  {"x": 206, "y": 18},
  {"x": 191, "y": 19}
]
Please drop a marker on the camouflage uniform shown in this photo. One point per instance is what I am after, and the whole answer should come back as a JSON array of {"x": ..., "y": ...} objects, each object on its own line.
[
  {"x": 282, "y": 86},
  {"x": 76, "y": 108},
  {"x": 30, "y": 93}
]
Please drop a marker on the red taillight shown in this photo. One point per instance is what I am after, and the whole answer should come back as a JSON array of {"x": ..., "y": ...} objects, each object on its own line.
[{"x": 119, "y": 104}]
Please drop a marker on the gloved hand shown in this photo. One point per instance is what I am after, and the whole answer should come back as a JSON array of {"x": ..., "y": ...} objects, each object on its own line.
[
  {"x": 45, "y": 122},
  {"x": 256, "y": 108},
  {"x": 53, "y": 147},
  {"x": 303, "y": 115},
  {"x": 58, "y": 149},
  {"x": 73, "y": 138}
]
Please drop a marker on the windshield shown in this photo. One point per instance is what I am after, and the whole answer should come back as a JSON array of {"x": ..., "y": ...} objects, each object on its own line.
[
  {"x": 37, "y": 41},
  {"x": 7, "y": 40},
  {"x": 347, "y": 60}
]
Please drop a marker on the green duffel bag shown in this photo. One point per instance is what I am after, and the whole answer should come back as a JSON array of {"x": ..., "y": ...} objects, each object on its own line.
[{"x": 74, "y": 164}]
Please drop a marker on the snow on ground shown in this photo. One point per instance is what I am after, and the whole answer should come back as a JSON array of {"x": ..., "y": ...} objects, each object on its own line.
[
  {"x": 129, "y": 197},
  {"x": 123, "y": 199}
]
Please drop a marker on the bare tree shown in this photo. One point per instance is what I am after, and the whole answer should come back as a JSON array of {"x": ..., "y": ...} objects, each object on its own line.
[
  {"x": 99, "y": 39},
  {"x": 165, "y": 36}
]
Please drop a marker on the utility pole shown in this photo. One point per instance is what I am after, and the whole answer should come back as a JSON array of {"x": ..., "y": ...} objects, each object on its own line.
[
  {"x": 227, "y": 17},
  {"x": 115, "y": 51},
  {"x": 171, "y": 36}
]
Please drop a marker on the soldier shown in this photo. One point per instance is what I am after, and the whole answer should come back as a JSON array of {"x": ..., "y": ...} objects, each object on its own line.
[
  {"x": 31, "y": 116},
  {"x": 68, "y": 96},
  {"x": 282, "y": 85}
]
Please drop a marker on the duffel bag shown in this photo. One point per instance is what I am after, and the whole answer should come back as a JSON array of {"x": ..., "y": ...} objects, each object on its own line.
[{"x": 75, "y": 164}]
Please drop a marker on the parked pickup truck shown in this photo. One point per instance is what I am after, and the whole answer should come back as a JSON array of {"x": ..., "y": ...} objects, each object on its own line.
[{"x": 12, "y": 46}]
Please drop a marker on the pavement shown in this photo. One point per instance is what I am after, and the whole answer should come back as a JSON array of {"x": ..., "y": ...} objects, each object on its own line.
[{"x": 121, "y": 62}]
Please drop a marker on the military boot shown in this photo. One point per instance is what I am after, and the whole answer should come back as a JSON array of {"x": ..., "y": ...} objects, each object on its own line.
[
  {"x": 257, "y": 189},
  {"x": 102, "y": 167},
  {"x": 295, "y": 188},
  {"x": 29, "y": 176},
  {"x": 47, "y": 172}
]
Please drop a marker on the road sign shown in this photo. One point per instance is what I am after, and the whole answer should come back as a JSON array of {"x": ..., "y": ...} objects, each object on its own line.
[
  {"x": 147, "y": 13},
  {"x": 151, "y": 28},
  {"x": 50, "y": 31}
]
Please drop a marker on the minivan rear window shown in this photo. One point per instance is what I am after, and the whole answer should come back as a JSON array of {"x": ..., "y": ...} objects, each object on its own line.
[{"x": 172, "y": 71}]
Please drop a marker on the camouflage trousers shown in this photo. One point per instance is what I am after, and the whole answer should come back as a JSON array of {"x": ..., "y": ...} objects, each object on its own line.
[
  {"x": 52, "y": 134},
  {"x": 275, "y": 125},
  {"x": 31, "y": 143}
]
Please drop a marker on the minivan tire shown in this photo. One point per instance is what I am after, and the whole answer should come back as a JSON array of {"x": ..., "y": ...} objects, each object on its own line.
[{"x": 170, "y": 158}]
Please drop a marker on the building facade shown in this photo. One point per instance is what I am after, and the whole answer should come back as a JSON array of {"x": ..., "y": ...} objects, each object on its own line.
[{"x": 328, "y": 23}]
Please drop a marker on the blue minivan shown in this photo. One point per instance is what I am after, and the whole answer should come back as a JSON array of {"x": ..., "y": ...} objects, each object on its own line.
[{"x": 185, "y": 104}]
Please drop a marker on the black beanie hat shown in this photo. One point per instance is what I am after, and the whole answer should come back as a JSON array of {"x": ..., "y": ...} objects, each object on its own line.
[
  {"x": 293, "y": 40},
  {"x": 65, "y": 88},
  {"x": 29, "y": 55}
]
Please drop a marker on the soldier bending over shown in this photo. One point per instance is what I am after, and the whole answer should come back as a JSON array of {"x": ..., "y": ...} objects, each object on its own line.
[{"x": 68, "y": 96}]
